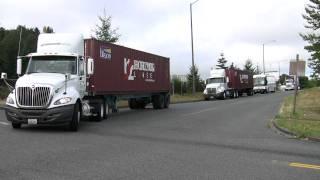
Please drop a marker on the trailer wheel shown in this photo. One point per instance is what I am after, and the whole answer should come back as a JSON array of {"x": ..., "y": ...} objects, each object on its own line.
[
  {"x": 167, "y": 101},
  {"x": 250, "y": 93},
  {"x": 106, "y": 112},
  {"x": 74, "y": 124},
  {"x": 236, "y": 94},
  {"x": 158, "y": 101},
  {"x": 101, "y": 111},
  {"x": 133, "y": 103},
  {"x": 16, "y": 125}
]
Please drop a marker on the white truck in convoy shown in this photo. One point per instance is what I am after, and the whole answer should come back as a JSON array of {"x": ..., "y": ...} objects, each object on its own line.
[
  {"x": 229, "y": 82},
  {"x": 264, "y": 83},
  {"x": 70, "y": 77},
  {"x": 290, "y": 83}
]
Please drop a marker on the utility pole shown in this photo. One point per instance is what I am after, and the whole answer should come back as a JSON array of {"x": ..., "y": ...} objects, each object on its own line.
[
  {"x": 264, "y": 71},
  {"x": 295, "y": 86},
  {"x": 193, "y": 75}
]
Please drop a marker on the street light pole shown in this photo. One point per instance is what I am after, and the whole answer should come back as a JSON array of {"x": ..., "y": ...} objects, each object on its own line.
[
  {"x": 264, "y": 70},
  {"x": 193, "y": 68}
]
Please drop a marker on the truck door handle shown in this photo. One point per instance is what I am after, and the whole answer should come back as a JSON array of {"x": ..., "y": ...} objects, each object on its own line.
[{"x": 80, "y": 78}]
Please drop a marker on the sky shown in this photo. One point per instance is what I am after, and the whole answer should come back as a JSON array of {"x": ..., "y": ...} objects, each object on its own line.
[{"x": 236, "y": 28}]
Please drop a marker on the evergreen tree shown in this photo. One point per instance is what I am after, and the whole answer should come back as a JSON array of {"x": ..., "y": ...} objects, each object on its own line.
[
  {"x": 312, "y": 18},
  {"x": 199, "y": 84},
  {"x": 222, "y": 62},
  {"x": 257, "y": 70},
  {"x": 248, "y": 66},
  {"x": 9, "y": 45},
  {"x": 104, "y": 32},
  {"x": 47, "y": 29}
]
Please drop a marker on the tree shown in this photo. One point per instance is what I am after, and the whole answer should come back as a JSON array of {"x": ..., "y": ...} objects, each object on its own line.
[
  {"x": 222, "y": 62},
  {"x": 47, "y": 29},
  {"x": 199, "y": 84},
  {"x": 282, "y": 79},
  {"x": 257, "y": 70},
  {"x": 248, "y": 66},
  {"x": 179, "y": 86},
  {"x": 9, "y": 45},
  {"x": 312, "y": 18},
  {"x": 104, "y": 32}
]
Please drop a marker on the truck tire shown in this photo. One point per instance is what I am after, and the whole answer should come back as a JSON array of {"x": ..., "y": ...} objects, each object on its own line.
[
  {"x": 158, "y": 101},
  {"x": 106, "y": 111},
  {"x": 167, "y": 101},
  {"x": 249, "y": 93},
  {"x": 16, "y": 125},
  {"x": 101, "y": 111},
  {"x": 133, "y": 103},
  {"x": 224, "y": 96},
  {"x": 141, "y": 104},
  {"x": 74, "y": 124}
]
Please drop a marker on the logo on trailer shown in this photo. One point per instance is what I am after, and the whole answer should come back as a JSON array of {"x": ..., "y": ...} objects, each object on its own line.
[
  {"x": 134, "y": 67},
  {"x": 105, "y": 53}
]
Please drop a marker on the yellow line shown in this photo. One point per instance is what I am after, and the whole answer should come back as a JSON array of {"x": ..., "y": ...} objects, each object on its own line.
[{"x": 300, "y": 165}]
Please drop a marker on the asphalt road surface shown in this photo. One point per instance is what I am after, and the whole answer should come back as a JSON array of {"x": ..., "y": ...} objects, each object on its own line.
[{"x": 227, "y": 139}]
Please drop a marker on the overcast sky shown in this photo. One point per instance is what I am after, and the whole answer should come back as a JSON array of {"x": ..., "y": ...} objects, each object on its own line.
[{"x": 236, "y": 28}]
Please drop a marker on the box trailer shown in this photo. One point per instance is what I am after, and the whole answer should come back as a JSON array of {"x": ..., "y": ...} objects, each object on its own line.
[
  {"x": 70, "y": 77},
  {"x": 264, "y": 83},
  {"x": 228, "y": 82}
]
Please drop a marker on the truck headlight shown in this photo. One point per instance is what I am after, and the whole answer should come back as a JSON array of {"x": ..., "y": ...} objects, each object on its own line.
[
  {"x": 64, "y": 100},
  {"x": 10, "y": 100}
]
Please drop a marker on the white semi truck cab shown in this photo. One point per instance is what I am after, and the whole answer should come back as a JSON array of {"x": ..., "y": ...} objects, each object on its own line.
[
  {"x": 54, "y": 81},
  {"x": 216, "y": 85}
]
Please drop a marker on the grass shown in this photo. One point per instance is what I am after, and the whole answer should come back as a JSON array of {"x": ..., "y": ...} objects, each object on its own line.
[
  {"x": 306, "y": 121},
  {"x": 177, "y": 98}
]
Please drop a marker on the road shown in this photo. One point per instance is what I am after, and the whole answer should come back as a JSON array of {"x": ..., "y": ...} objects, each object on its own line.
[{"x": 227, "y": 139}]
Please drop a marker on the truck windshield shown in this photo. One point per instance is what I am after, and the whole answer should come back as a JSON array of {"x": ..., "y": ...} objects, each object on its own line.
[
  {"x": 52, "y": 64},
  {"x": 259, "y": 81},
  {"x": 215, "y": 80},
  {"x": 288, "y": 81}
]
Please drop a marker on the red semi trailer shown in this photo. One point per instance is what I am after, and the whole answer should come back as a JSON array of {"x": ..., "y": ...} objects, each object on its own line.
[
  {"x": 229, "y": 82},
  {"x": 125, "y": 73}
]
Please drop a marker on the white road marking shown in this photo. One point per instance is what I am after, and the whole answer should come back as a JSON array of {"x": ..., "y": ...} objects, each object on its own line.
[{"x": 4, "y": 123}]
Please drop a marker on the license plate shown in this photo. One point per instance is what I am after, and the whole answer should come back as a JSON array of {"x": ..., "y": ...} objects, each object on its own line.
[{"x": 32, "y": 121}]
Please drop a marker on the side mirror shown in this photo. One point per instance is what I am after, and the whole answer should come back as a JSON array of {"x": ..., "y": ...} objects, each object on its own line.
[
  {"x": 19, "y": 66},
  {"x": 3, "y": 75},
  {"x": 90, "y": 66}
]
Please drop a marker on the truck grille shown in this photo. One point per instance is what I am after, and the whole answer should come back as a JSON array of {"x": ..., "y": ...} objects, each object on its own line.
[
  {"x": 36, "y": 97},
  {"x": 211, "y": 90}
]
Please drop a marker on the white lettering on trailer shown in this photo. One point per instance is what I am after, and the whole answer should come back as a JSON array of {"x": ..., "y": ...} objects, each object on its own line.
[{"x": 130, "y": 66}]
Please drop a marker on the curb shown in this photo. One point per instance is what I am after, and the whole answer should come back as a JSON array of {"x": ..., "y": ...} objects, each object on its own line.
[{"x": 290, "y": 134}]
